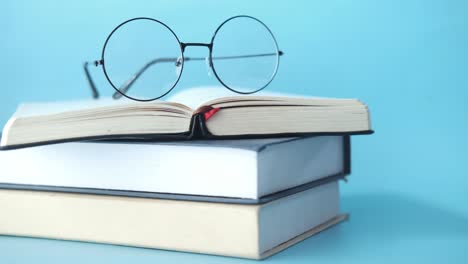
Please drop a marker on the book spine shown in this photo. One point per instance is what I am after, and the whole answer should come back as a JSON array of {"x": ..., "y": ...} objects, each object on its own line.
[
  {"x": 347, "y": 154},
  {"x": 198, "y": 129}
]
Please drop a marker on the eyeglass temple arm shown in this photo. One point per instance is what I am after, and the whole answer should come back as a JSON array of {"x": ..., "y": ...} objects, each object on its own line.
[
  {"x": 127, "y": 85},
  {"x": 130, "y": 82},
  {"x": 90, "y": 79}
]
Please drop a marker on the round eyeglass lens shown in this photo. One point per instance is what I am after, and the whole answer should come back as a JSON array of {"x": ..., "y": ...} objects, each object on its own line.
[
  {"x": 142, "y": 59},
  {"x": 245, "y": 54}
]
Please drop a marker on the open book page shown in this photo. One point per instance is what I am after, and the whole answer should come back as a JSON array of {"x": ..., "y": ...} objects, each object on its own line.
[
  {"x": 26, "y": 110},
  {"x": 30, "y": 118},
  {"x": 87, "y": 105},
  {"x": 222, "y": 97},
  {"x": 48, "y": 108},
  {"x": 198, "y": 96}
]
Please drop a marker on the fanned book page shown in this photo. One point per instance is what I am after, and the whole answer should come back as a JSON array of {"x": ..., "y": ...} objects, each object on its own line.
[{"x": 196, "y": 113}]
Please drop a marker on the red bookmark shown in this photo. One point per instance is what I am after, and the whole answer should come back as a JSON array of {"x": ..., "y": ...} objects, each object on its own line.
[{"x": 210, "y": 113}]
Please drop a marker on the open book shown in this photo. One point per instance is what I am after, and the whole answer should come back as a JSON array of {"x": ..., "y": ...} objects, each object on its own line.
[{"x": 187, "y": 115}]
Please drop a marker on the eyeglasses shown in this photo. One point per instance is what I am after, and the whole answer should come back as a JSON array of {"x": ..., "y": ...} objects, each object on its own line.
[{"x": 143, "y": 59}]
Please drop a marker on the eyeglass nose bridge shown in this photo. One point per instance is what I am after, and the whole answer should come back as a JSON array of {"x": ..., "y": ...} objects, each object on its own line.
[{"x": 184, "y": 45}]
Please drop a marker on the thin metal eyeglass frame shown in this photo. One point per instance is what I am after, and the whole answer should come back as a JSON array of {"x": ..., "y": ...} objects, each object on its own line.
[{"x": 124, "y": 88}]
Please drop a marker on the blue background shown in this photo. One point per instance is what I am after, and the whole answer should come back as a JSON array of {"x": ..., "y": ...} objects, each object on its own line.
[{"x": 407, "y": 59}]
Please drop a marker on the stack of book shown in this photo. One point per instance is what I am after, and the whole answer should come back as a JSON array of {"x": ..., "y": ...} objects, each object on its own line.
[{"x": 239, "y": 176}]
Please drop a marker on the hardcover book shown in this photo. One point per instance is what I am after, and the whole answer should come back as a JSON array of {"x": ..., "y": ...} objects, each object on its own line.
[
  {"x": 238, "y": 230},
  {"x": 248, "y": 171}
]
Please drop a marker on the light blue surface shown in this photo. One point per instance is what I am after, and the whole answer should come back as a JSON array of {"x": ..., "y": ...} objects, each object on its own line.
[{"x": 408, "y": 59}]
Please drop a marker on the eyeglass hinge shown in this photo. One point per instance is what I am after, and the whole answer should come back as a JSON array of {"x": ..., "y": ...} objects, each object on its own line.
[{"x": 98, "y": 62}]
